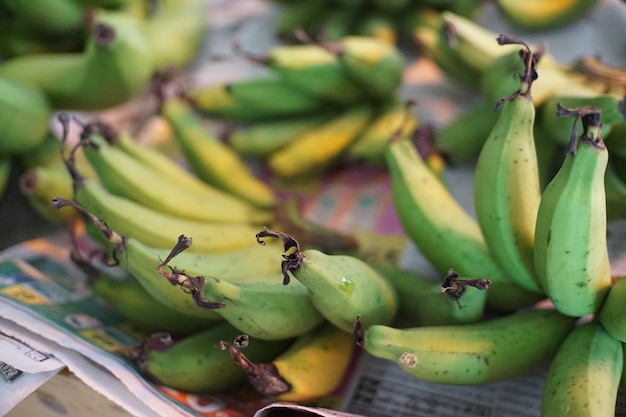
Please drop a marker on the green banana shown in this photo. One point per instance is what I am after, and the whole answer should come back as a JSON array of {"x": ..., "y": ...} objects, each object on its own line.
[
  {"x": 114, "y": 67},
  {"x": 613, "y": 111},
  {"x": 260, "y": 139},
  {"x": 263, "y": 308},
  {"x": 300, "y": 16},
  {"x": 299, "y": 64},
  {"x": 340, "y": 286},
  {"x": 461, "y": 139},
  {"x": 53, "y": 17},
  {"x": 175, "y": 32},
  {"x": 542, "y": 14},
  {"x": 423, "y": 301},
  {"x": 126, "y": 177},
  {"x": 615, "y": 190},
  {"x": 212, "y": 160},
  {"x": 506, "y": 181},
  {"x": 128, "y": 297},
  {"x": 616, "y": 139},
  {"x": 369, "y": 146},
  {"x": 256, "y": 98},
  {"x": 196, "y": 363},
  {"x": 378, "y": 25},
  {"x": 376, "y": 64},
  {"x": 25, "y": 114},
  {"x": 571, "y": 255},
  {"x": 584, "y": 377},
  {"x": 317, "y": 149},
  {"x": 40, "y": 184},
  {"x": 611, "y": 313},
  {"x": 472, "y": 353},
  {"x": 310, "y": 368},
  {"x": 441, "y": 229}
]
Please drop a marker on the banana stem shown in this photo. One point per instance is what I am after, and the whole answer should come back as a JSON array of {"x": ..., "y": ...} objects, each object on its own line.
[
  {"x": 292, "y": 256},
  {"x": 591, "y": 119},
  {"x": 455, "y": 287}
]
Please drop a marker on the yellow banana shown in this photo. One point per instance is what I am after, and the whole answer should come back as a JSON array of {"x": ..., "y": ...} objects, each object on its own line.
[
  {"x": 472, "y": 353},
  {"x": 440, "y": 227},
  {"x": 584, "y": 376},
  {"x": 196, "y": 363},
  {"x": 544, "y": 14},
  {"x": 126, "y": 177},
  {"x": 506, "y": 181},
  {"x": 212, "y": 160},
  {"x": 310, "y": 368},
  {"x": 319, "y": 148},
  {"x": 571, "y": 254}
]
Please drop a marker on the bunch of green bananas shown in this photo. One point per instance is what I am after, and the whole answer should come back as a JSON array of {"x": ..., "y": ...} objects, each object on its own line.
[
  {"x": 318, "y": 105},
  {"x": 533, "y": 241},
  {"x": 114, "y": 48}
]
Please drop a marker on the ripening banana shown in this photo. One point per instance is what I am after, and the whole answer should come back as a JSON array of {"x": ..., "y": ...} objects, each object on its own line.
[
  {"x": 317, "y": 149},
  {"x": 25, "y": 114},
  {"x": 571, "y": 255},
  {"x": 340, "y": 286},
  {"x": 472, "y": 353},
  {"x": 391, "y": 115},
  {"x": 310, "y": 368},
  {"x": 256, "y": 98},
  {"x": 40, "y": 184},
  {"x": 196, "y": 363},
  {"x": 440, "y": 227},
  {"x": 127, "y": 297},
  {"x": 612, "y": 314},
  {"x": 129, "y": 178},
  {"x": 584, "y": 377},
  {"x": 212, "y": 160},
  {"x": 544, "y": 14},
  {"x": 376, "y": 64},
  {"x": 114, "y": 67},
  {"x": 300, "y": 64},
  {"x": 506, "y": 184},
  {"x": 260, "y": 139}
]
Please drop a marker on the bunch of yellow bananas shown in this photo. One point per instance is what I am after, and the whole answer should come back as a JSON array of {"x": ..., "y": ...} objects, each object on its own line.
[
  {"x": 319, "y": 104},
  {"x": 85, "y": 56}
]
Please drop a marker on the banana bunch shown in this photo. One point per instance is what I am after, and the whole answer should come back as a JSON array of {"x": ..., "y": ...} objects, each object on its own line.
[
  {"x": 389, "y": 21},
  {"x": 296, "y": 128}
]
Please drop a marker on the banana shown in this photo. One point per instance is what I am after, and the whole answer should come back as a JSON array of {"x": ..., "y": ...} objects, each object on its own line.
[
  {"x": 543, "y": 15},
  {"x": 256, "y": 98},
  {"x": 472, "y": 353},
  {"x": 317, "y": 149},
  {"x": 440, "y": 227},
  {"x": 54, "y": 17},
  {"x": 616, "y": 139},
  {"x": 40, "y": 184},
  {"x": 615, "y": 190},
  {"x": 212, "y": 160},
  {"x": 299, "y": 64},
  {"x": 114, "y": 67},
  {"x": 506, "y": 181},
  {"x": 369, "y": 146},
  {"x": 126, "y": 177},
  {"x": 613, "y": 111},
  {"x": 611, "y": 313},
  {"x": 175, "y": 32},
  {"x": 426, "y": 302},
  {"x": 300, "y": 16},
  {"x": 129, "y": 298},
  {"x": 340, "y": 286},
  {"x": 25, "y": 113},
  {"x": 263, "y": 307},
  {"x": 584, "y": 377},
  {"x": 376, "y": 64},
  {"x": 310, "y": 368},
  {"x": 378, "y": 25},
  {"x": 571, "y": 255},
  {"x": 260, "y": 139},
  {"x": 461, "y": 139},
  {"x": 47, "y": 153},
  {"x": 196, "y": 363}
]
